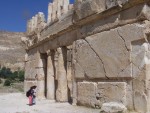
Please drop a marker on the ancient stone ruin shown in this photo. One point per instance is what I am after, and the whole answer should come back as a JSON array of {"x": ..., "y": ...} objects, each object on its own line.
[{"x": 92, "y": 53}]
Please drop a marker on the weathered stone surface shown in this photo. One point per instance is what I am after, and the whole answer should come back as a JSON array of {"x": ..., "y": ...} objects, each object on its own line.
[
  {"x": 113, "y": 107},
  {"x": 32, "y": 54},
  {"x": 140, "y": 100},
  {"x": 140, "y": 59},
  {"x": 58, "y": 26},
  {"x": 129, "y": 96},
  {"x": 42, "y": 63},
  {"x": 86, "y": 94},
  {"x": 112, "y": 3},
  {"x": 112, "y": 92},
  {"x": 49, "y": 13},
  {"x": 88, "y": 61},
  {"x": 86, "y": 8},
  {"x": 62, "y": 90},
  {"x": 50, "y": 78},
  {"x": 124, "y": 17},
  {"x": 115, "y": 57},
  {"x": 30, "y": 69},
  {"x": 54, "y": 10},
  {"x": 65, "y": 6}
]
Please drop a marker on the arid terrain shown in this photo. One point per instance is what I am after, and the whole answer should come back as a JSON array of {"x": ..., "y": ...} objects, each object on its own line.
[
  {"x": 18, "y": 103},
  {"x": 11, "y": 50},
  {"x": 16, "y": 87}
]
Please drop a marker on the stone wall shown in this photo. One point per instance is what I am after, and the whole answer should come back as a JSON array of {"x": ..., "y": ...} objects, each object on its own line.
[{"x": 94, "y": 54}]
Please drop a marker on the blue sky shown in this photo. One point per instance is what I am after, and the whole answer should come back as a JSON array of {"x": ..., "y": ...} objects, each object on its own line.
[{"x": 15, "y": 13}]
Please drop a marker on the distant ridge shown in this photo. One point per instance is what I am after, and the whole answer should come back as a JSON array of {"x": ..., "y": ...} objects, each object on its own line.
[{"x": 11, "y": 50}]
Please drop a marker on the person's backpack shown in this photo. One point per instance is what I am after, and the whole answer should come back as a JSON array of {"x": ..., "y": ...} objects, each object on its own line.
[{"x": 28, "y": 93}]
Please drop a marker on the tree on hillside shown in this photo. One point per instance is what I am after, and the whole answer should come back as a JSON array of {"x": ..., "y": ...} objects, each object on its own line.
[{"x": 6, "y": 73}]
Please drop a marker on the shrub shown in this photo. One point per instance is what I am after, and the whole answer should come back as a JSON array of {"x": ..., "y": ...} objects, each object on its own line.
[
  {"x": 7, "y": 82},
  {"x": 1, "y": 81},
  {"x": 21, "y": 76}
]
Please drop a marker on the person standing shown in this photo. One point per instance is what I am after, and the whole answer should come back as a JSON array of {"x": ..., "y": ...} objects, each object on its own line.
[
  {"x": 29, "y": 94},
  {"x": 34, "y": 95}
]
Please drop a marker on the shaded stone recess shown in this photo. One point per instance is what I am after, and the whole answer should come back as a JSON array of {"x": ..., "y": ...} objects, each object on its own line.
[{"x": 94, "y": 53}]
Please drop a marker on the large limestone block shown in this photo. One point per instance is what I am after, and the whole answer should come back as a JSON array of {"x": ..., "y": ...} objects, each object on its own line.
[
  {"x": 49, "y": 13},
  {"x": 66, "y": 6},
  {"x": 52, "y": 44},
  {"x": 79, "y": 72},
  {"x": 140, "y": 61},
  {"x": 86, "y": 95},
  {"x": 57, "y": 27},
  {"x": 131, "y": 33},
  {"x": 50, "y": 79},
  {"x": 113, "y": 107},
  {"x": 67, "y": 39},
  {"x": 88, "y": 61},
  {"x": 59, "y": 8},
  {"x": 122, "y": 18},
  {"x": 140, "y": 102},
  {"x": 41, "y": 89},
  {"x": 111, "y": 92},
  {"x": 84, "y": 8},
  {"x": 32, "y": 54},
  {"x": 30, "y": 70},
  {"x": 110, "y": 46},
  {"x": 62, "y": 90},
  {"x": 54, "y": 10},
  {"x": 40, "y": 74}
]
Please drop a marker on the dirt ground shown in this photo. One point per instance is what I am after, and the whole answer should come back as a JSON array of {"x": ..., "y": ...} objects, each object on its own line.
[{"x": 18, "y": 103}]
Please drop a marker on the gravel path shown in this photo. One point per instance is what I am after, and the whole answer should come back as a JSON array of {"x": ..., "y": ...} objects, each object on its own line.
[{"x": 18, "y": 103}]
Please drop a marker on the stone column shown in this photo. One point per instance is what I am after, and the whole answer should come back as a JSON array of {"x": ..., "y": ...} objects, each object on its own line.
[
  {"x": 35, "y": 21},
  {"x": 41, "y": 21},
  {"x": 54, "y": 10},
  {"x": 66, "y": 6},
  {"x": 41, "y": 78},
  {"x": 26, "y": 72},
  {"x": 59, "y": 8},
  {"x": 49, "y": 13},
  {"x": 29, "y": 26},
  {"x": 61, "y": 93},
  {"x": 50, "y": 77},
  {"x": 74, "y": 93},
  {"x": 74, "y": 82},
  {"x": 32, "y": 23}
]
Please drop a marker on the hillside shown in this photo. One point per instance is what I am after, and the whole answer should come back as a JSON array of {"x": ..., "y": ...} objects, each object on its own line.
[{"x": 11, "y": 50}]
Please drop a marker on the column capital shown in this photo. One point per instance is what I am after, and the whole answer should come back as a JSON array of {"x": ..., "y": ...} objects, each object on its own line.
[{"x": 49, "y": 53}]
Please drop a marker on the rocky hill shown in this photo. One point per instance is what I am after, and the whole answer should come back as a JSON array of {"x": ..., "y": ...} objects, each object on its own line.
[{"x": 11, "y": 50}]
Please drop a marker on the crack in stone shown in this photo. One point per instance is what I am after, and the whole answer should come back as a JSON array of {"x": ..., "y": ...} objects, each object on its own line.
[
  {"x": 122, "y": 70},
  {"x": 123, "y": 40},
  {"x": 85, "y": 74},
  {"x": 99, "y": 58},
  {"x": 138, "y": 67}
]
